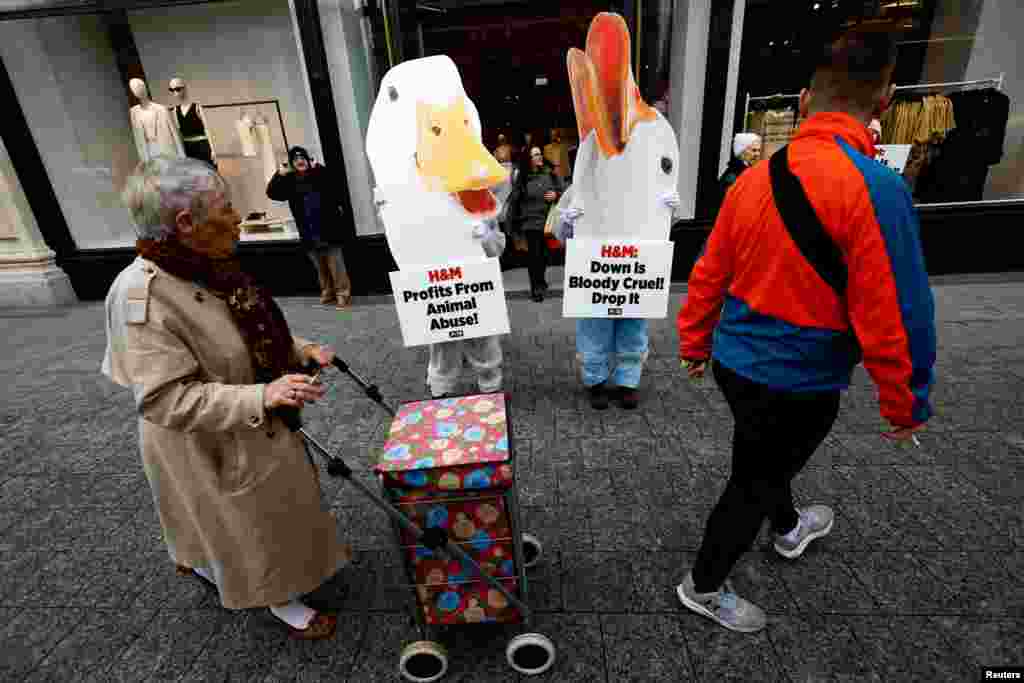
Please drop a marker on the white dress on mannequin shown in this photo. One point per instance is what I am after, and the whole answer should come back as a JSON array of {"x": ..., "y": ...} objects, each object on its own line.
[
  {"x": 262, "y": 133},
  {"x": 245, "y": 136},
  {"x": 156, "y": 133}
]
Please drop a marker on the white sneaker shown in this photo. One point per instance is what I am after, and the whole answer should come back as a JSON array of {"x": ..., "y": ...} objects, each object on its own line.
[
  {"x": 722, "y": 606},
  {"x": 814, "y": 522}
]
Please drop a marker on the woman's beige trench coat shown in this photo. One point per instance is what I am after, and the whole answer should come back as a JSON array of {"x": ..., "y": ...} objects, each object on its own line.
[{"x": 233, "y": 486}]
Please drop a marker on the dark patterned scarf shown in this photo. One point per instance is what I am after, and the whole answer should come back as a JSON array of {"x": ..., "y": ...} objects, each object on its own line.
[{"x": 257, "y": 316}]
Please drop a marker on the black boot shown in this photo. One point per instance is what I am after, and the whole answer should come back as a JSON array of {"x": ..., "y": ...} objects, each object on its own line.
[
  {"x": 598, "y": 397},
  {"x": 630, "y": 398}
]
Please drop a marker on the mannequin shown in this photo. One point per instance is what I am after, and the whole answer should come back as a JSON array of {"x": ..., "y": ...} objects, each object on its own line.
[
  {"x": 244, "y": 126},
  {"x": 152, "y": 125},
  {"x": 254, "y": 134},
  {"x": 195, "y": 134},
  {"x": 261, "y": 131}
]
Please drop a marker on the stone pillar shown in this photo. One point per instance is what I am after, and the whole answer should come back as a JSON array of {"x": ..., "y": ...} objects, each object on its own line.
[{"x": 29, "y": 276}]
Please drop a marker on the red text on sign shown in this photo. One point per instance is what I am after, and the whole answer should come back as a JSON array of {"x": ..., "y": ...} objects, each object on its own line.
[
  {"x": 444, "y": 274},
  {"x": 619, "y": 251}
]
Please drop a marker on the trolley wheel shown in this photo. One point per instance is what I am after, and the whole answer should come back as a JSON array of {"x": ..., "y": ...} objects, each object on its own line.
[
  {"x": 532, "y": 550},
  {"x": 530, "y": 654},
  {"x": 423, "y": 662}
]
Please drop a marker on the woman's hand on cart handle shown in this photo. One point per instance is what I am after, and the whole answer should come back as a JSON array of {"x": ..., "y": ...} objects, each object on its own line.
[
  {"x": 323, "y": 355},
  {"x": 292, "y": 391}
]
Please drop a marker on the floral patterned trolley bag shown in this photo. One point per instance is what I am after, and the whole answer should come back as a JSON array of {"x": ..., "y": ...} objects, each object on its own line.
[{"x": 447, "y": 476}]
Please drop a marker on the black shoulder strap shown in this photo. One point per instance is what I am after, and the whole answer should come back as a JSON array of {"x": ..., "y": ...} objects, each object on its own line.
[{"x": 803, "y": 224}]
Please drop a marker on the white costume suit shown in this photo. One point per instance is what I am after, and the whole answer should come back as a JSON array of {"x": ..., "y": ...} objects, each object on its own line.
[{"x": 483, "y": 353}]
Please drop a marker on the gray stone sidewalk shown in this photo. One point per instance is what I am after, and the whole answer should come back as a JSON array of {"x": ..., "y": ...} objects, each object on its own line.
[{"x": 921, "y": 578}]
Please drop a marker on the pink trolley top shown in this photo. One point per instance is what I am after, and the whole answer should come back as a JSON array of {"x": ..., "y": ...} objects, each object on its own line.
[{"x": 447, "y": 445}]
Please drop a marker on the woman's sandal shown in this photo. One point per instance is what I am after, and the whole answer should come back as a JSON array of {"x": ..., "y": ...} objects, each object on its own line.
[
  {"x": 321, "y": 627},
  {"x": 182, "y": 570}
]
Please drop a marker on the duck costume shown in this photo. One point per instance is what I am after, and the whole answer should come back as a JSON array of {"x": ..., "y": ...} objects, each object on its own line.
[
  {"x": 624, "y": 188},
  {"x": 433, "y": 193}
]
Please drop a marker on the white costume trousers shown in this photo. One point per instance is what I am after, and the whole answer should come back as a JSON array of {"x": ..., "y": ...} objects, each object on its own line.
[{"x": 446, "y": 358}]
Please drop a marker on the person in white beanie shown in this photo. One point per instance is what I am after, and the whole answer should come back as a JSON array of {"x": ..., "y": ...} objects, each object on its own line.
[
  {"x": 746, "y": 151},
  {"x": 876, "y": 131}
]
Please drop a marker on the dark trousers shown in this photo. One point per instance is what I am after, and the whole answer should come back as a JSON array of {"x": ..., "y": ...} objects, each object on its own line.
[
  {"x": 537, "y": 258},
  {"x": 775, "y": 434}
]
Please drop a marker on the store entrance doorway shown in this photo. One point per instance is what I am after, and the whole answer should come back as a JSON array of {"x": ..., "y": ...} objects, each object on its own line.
[{"x": 510, "y": 54}]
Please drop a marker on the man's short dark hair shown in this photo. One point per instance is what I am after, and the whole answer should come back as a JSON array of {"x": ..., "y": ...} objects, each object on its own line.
[{"x": 854, "y": 67}]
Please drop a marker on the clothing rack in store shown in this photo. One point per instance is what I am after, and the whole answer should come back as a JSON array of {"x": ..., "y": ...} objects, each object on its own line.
[
  {"x": 759, "y": 98},
  {"x": 997, "y": 82},
  {"x": 252, "y": 103}
]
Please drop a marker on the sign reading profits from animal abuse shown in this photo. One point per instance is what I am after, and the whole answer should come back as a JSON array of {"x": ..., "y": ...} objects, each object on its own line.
[
  {"x": 456, "y": 301},
  {"x": 617, "y": 279}
]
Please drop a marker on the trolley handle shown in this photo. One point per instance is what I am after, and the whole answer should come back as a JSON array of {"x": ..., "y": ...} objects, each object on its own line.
[{"x": 371, "y": 390}]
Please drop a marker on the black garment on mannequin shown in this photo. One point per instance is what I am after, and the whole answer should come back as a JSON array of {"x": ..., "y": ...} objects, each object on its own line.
[
  {"x": 191, "y": 126},
  {"x": 199, "y": 149}
]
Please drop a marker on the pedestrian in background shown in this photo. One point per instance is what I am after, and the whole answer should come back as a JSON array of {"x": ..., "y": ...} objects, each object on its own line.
[
  {"x": 534, "y": 192},
  {"x": 503, "y": 152},
  {"x": 313, "y": 195},
  {"x": 557, "y": 154},
  {"x": 833, "y": 276},
  {"x": 218, "y": 380},
  {"x": 746, "y": 151}
]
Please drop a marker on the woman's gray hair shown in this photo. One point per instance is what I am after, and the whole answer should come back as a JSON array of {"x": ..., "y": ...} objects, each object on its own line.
[{"x": 163, "y": 187}]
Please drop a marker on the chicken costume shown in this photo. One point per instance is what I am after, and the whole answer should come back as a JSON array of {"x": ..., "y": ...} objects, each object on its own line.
[
  {"x": 433, "y": 177},
  {"x": 624, "y": 186}
]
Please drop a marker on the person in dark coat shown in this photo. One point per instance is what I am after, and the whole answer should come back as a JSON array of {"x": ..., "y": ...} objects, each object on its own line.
[
  {"x": 311, "y": 193},
  {"x": 746, "y": 151},
  {"x": 535, "y": 190}
]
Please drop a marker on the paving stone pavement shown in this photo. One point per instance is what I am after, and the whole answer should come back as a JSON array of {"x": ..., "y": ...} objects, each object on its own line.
[{"x": 922, "y": 576}]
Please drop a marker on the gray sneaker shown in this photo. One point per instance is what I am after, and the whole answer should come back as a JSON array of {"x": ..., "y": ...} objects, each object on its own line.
[
  {"x": 722, "y": 606},
  {"x": 814, "y": 522}
]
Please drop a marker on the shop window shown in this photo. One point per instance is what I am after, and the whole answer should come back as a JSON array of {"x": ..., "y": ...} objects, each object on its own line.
[
  {"x": 956, "y": 128},
  {"x": 239, "y": 62},
  {"x": 512, "y": 59}
]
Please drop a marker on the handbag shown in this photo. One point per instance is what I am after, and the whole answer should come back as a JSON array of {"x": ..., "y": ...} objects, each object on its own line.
[{"x": 549, "y": 229}]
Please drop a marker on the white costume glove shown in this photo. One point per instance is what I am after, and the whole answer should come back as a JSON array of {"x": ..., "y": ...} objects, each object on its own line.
[
  {"x": 378, "y": 199},
  {"x": 492, "y": 239},
  {"x": 671, "y": 200},
  {"x": 567, "y": 224}
]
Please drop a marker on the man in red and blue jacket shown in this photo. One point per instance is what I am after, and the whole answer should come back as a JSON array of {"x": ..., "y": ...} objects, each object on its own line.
[{"x": 783, "y": 337}]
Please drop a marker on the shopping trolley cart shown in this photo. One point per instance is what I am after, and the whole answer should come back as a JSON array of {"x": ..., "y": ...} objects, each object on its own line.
[{"x": 447, "y": 473}]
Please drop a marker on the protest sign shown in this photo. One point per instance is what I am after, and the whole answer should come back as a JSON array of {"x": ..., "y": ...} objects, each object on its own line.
[
  {"x": 453, "y": 301},
  {"x": 893, "y": 156},
  {"x": 628, "y": 279}
]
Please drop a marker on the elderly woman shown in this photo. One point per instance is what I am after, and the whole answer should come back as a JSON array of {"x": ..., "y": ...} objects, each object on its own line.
[
  {"x": 746, "y": 151},
  {"x": 216, "y": 374}
]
